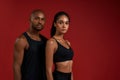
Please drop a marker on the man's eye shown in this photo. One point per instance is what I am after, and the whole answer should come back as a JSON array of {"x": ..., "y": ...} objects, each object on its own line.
[
  {"x": 36, "y": 18},
  {"x": 43, "y": 19}
]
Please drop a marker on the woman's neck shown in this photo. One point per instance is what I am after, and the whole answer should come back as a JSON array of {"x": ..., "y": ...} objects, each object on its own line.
[{"x": 59, "y": 36}]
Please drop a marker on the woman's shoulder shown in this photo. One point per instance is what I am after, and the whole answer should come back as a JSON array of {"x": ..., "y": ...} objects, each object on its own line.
[{"x": 51, "y": 41}]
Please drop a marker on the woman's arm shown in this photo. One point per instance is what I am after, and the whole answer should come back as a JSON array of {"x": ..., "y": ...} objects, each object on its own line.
[
  {"x": 50, "y": 49},
  {"x": 72, "y": 76}
]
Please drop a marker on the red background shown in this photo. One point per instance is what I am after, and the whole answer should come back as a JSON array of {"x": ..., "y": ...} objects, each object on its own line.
[{"x": 94, "y": 34}]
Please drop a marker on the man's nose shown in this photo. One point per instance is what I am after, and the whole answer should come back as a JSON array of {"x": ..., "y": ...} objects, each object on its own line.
[{"x": 40, "y": 21}]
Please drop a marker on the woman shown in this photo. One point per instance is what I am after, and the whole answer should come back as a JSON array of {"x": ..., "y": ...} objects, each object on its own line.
[{"x": 58, "y": 50}]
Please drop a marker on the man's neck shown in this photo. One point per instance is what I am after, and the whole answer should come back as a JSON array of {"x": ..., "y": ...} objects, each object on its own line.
[{"x": 33, "y": 32}]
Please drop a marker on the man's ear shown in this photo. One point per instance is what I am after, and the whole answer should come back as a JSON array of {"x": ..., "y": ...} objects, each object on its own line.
[{"x": 30, "y": 19}]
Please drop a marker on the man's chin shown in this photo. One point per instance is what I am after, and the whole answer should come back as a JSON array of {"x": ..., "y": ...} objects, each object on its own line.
[{"x": 39, "y": 29}]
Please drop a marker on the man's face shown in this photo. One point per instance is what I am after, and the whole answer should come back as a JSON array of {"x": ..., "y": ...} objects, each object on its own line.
[{"x": 37, "y": 21}]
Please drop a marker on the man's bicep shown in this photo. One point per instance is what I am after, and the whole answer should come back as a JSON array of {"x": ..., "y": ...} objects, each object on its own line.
[{"x": 19, "y": 52}]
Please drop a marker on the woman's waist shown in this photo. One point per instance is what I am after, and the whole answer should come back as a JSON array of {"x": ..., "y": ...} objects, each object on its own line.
[{"x": 64, "y": 66}]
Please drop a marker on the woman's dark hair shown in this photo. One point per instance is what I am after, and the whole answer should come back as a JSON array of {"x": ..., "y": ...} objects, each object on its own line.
[{"x": 56, "y": 17}]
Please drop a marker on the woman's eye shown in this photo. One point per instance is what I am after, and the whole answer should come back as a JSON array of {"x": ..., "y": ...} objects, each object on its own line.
[
  {"x": 60, "y": 22},
  {"x": 67, "y": 23}
]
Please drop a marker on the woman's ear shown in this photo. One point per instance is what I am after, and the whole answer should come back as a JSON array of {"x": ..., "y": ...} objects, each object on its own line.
[{"x": 54, "y": 24}]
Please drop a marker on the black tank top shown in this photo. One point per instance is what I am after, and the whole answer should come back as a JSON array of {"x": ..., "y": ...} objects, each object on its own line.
[
  {"x": 62, "y": 53},
  {"x": 33, "y": 66}
]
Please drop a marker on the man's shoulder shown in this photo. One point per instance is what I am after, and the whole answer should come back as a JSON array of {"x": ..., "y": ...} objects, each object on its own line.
[
  {"x": 21, "y": 43},
  {"x": 21, "y": 38}
]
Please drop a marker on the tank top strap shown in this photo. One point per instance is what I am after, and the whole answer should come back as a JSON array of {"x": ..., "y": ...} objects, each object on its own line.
[{"x": 27, "y": 37}]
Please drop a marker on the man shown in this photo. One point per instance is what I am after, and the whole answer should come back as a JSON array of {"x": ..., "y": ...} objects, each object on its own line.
[{"x": 29, "y": 50}]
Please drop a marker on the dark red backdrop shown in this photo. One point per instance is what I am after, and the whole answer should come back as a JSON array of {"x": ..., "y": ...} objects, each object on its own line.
[{"x": 94, "y": 34}]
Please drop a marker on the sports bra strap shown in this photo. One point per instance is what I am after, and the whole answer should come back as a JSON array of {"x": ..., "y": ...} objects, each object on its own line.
[
  {"x": 59, "y": 42},
  {"x": 55, "y": 39}
]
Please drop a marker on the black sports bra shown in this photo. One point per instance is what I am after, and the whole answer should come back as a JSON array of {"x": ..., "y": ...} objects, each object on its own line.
[{"x": 62, "y": 53}]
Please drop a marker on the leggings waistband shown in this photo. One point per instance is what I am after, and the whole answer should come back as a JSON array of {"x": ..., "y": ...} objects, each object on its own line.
[{"x": 56, "y": 71}]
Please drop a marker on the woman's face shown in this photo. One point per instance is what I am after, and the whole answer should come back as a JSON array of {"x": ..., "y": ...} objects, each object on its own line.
[{"x": 62, "y": 24}]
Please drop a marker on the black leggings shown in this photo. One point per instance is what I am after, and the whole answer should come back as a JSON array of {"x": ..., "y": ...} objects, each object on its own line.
[{"x": 57, "y": 75}]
